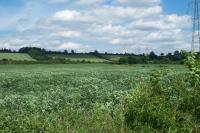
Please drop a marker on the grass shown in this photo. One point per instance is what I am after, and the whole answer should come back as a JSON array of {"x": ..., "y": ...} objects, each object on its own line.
[
  {"x": 68, "y": 98},
  {"x": 15, "y": 57},
  {"x": 114, "y": 57},
  {"x": 67, "y": 68},
  {"x": 117, "y": 57},
  {"x": 90, "y": 58}
]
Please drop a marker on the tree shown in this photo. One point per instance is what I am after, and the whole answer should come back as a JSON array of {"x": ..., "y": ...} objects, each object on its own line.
[
  {"x": 132, "y": 60},
  {"x": 169, "y": 55},
  {"x": 177, "y": 53},
  {"x": 65, "y": 52},
  {"x": 72, "y": 52},
  {"x": 177, "y": 56},
  {"x": 162, "y": 54},
  {"x": 152, "y": 56},
  {"x": 27, "y": 49},
  {"x": 38, "y": 54},
  {"x": 96, "y": 52},
  {"x": 123, "y": 61}
]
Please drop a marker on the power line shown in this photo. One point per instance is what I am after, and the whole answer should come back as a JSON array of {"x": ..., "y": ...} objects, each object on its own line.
[{"x": 196, "y": 27}]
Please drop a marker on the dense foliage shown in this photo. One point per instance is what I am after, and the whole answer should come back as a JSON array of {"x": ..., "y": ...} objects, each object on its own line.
[
  {"x": 152, "y": 58},
  {"x": 63, "y": 102},
  {"x": 167, "y": 103},
  {"x": 48, "y": 56},
  {"x": 81, "y": 99},
  {"x": 100, "y": 99}
]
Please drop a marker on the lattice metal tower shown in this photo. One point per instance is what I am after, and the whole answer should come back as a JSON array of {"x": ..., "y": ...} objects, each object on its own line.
[{"x": 196, "y": 27}]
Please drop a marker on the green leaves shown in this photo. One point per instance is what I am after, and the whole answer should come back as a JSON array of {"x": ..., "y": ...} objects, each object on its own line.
[
  {"x": 166, "y": 103},
  {"x": 193, "y": 64},
  {"x": 61, "y": 102}
]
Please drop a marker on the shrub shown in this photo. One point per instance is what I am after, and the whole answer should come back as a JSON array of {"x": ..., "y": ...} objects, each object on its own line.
[
  {"x": 4, "y": 59},
  {"x": 38, "y": 55},
  {"x": 123, "y": 61},
  {"x": 132, "y": 60},
  {"x": 165, "y": 104}
]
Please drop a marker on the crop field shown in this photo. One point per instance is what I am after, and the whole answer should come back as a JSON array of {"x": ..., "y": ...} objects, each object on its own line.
[
  {"x": 68, "y": 98},
  {"x": 114, "y": 57},
  {"x": 90, "y": 58},
  {"x": 15, "y": 57}
]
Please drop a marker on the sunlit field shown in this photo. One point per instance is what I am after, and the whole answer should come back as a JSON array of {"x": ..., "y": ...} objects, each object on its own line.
[
  {"x": 69, "y": 98},
  {"x": 99, "y": 66},
  {"x": 15, "y": 57}
]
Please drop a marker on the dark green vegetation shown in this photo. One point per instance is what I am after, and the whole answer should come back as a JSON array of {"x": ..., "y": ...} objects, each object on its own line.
[
  {"x": 96, "y": 98},
  {"x": 79, "y": 58},
  {"x": 65, "y": 98},
  {"x": 167, "y": 103},
  {"x": 42, "y": 56},
  {"x": 101, "y": 97}
]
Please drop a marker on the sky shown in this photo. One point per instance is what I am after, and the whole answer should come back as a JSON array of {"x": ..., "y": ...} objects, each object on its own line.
[{"x": 117, "y": 26}]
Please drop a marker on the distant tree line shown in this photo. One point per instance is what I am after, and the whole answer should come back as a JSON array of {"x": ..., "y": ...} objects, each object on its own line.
[
  {"x": 41, "y": 54},
  {"x": 4, "y": 50},
  {"x": 152, "y": 58}
]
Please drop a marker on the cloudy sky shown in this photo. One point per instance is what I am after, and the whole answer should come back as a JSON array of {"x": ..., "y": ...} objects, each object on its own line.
[{"x": 106, "y": 25}]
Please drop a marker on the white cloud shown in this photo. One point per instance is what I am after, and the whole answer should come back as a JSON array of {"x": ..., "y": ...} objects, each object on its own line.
[
  {"x": 70, "y": 15},
  {"x": 110, "y": 29},
  {"x": 115, "y": 27},
  {"x": 91, "y": 2},
  {"x": 137, "y": 2},
  {"x": 58, "y": 1},
  {"x": 167, "y": 22},
  {"x": 67, "y": 15},
  {"x": 68, "y": 34},
  {"x": 123, "y": 41},
  {"x": 79, "y": 2},
  {"x": 74, "y": 46},
  {"x": 120, "y": 12}
]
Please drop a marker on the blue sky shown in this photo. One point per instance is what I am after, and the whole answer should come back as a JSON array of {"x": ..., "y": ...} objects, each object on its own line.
[
  {"x": 180, "y": 7},
  {"x": 106, "y": 25}
]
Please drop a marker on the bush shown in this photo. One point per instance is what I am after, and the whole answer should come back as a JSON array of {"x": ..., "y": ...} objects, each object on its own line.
[
  {"x": 4, "y": 59},
  {"x": 58, "y": 60},
  {"x": 83, "y": 61},
  {"x": 38, "y": 55},
  {"x": 164, "y": 104},
  {"x": 132, "y": 60},
  {"x": 123, "y": 61}
]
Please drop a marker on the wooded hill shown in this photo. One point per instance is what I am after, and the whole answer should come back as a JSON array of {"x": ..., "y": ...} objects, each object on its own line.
[{"x": 39, "y": 55}]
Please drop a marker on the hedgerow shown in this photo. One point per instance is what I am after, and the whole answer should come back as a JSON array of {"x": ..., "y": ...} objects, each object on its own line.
[{"x": 167, "y": 103}]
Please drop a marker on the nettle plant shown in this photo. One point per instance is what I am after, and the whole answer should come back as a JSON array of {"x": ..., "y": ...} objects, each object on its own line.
[
  {"x": 192, "y": 62},
  {"x": 155, "y": 79}
]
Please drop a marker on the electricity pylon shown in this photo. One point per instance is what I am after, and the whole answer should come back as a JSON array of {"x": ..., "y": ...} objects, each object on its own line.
[{"x": 196, "y": 27}]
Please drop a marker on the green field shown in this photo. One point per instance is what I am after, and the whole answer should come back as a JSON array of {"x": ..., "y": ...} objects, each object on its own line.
[
  {"x": 91, "y": 58},
  {"x": 77, "y": 57},
  {"x": 69, "y": 98},
  {"x": 114, "y": 57},
  {"x": 26, "y": 57},
  {"x": 15, "y": 57},
  {"x": 69, "y": 68}
]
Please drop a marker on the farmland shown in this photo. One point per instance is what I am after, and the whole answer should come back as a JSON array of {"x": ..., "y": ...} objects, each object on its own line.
[
  {"x": 15, "y": 57},
  {"x": 73, "y": 58},
  {"x": 70, "y": 68},
  {"x": 77, "y": 57},
  {"x": 70, "y": 98},
  {"x": 34, "y": 55},
  {"x": 99, "y": 66}
]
